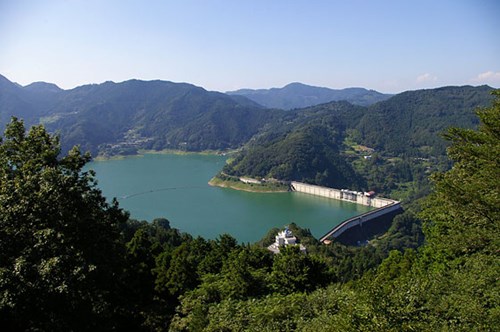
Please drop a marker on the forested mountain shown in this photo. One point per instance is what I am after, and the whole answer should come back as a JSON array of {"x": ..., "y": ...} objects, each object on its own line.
[
  {"x": 121, "y": 117},
  {"x": 387, "y": 146},
  {"x": 298, "y": 95},
  {"x": 69, "y": 261},
  {"x": 29, "y": 103},
  {"x": 304, "y": 145},
  {"x": 411, "y": 122},
  {"x": 382, "y": 147}
]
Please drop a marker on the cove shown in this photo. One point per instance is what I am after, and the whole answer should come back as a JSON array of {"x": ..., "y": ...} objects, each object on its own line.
[{"x": 176, "y": 187}]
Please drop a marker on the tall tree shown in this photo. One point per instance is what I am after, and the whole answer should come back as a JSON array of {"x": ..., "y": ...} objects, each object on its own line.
[
  {"x": 59, "y": 242},
  {"x": 464, "y": 212},
  {"x": 452, "y": 285}
]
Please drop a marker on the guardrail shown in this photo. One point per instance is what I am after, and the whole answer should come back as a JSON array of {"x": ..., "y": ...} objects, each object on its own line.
[
  {"x": 360, "y": 219},
  {"x": 383, "y": 205}
]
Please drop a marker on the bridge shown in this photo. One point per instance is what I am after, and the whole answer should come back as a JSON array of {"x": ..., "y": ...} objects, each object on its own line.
[
  {"x": 383, "y": 205},
  {"x": 359, "y": 220}
]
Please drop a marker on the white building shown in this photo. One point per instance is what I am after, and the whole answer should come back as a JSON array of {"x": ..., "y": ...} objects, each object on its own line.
[
  {"x": 285, "y": 238},
  {"x": 250, "y": 181}
]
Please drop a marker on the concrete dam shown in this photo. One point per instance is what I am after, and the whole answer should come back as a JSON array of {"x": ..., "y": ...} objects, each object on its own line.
[{"x": 383, "y": 206}]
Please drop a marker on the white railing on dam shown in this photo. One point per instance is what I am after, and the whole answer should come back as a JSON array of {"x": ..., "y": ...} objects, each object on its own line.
[{"x": 382, "y": 205}]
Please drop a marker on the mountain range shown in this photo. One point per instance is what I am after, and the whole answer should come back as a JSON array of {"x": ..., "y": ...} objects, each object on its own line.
[
  {"x": 120, "y": 117},
  {"x": 317, "y": 144},
  {"x": 298, "y": 95}
]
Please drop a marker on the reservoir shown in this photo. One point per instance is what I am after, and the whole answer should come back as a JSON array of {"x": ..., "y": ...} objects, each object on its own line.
[{"x": 176, "y": 187}]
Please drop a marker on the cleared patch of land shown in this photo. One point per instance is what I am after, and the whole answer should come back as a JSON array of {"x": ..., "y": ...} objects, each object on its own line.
[{"x": 271, "y": 187}]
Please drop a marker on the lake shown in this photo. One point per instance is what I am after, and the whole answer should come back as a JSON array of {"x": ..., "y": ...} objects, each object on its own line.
[{"x": 176, "y": 187}]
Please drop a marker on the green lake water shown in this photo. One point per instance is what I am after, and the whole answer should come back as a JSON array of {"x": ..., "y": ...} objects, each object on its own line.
[{"x": 175, "y": 187}]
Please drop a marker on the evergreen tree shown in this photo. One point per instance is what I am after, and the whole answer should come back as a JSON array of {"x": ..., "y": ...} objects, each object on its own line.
[
  {"x": 464, "y": 211},
  {"x": 60, "y": 255}
]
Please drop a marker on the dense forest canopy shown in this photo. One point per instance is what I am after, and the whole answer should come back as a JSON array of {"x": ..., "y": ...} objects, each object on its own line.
[
  {"x": 390, "y": 147},
  {"x": 119, "y": 118},
  {"x": 71, "y": 261},
  {"x": 122, "y": 118}
]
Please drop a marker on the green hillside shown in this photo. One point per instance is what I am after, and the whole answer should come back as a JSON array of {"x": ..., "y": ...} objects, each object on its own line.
[
  {"x": 389, "y": 147},
  {"x": 119, "y": 118},
  {"x": 71, "y": 261},
  {"x": 303, "y": 146},
  {"x": 411, "y": 122},
  {"x": 157, "y": 115}
]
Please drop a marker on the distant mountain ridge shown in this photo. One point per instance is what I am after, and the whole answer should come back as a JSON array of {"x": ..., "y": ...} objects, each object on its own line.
[
  {"x": 119, "y": 118},
  {"x": 303, "y": 144},
  {"x": 298, "y": 95},
  {"x": 316, "y": 144}
]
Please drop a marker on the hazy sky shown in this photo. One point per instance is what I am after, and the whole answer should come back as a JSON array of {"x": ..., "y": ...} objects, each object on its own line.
[{"x": 390, "y": 46}]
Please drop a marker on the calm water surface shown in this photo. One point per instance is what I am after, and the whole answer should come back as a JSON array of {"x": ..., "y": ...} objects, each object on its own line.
[{"x": 175, "y": 187}]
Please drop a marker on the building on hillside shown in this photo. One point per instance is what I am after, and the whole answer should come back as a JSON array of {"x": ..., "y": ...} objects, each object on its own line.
[
  {"x": 250, "y": 181},
  {"x": 285, "y": 238}
]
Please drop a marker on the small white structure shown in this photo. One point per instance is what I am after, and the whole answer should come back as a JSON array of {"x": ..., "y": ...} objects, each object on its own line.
[
  {"x": 250, "y": 181},
  {"x": 285, "y": 238}
]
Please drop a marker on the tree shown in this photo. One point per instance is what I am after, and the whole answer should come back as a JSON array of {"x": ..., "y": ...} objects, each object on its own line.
[
  {"x": 60, "y": 254},
  {"x": 294, "y": 271},
  {"x": 463, "y": 229},
  {"x": 181, "y": 274},
  {"x": 463, "y": 214},
  {"x": 245, "y": 272},
  {"x": 452, "y": 284},
  {"x": 218, "y": 252}
]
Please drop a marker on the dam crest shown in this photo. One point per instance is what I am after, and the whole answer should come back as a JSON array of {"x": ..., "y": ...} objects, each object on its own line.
[{"x": 383, "y": 206}]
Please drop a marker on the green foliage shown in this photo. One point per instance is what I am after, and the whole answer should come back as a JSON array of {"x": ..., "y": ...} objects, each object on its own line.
[
  {"x": 315, "y": 144},
  {"x": 410, "y": 122},
  {"x": 330, "y": 309},
  {"x": 71, "y": 261},
  {"x": 119, "y": 118},
  {"x": 181, "y": 274},
  {"x": 59, "y": 241},
  {"x": 218, "y": 252},
  {"x": 465, "y": 208},
  {"x": 245, "y": 273},
  {"x": 294, "y": 271},
  {"x": 450, "y": 284},
  {"x": 304, "y": 147}
]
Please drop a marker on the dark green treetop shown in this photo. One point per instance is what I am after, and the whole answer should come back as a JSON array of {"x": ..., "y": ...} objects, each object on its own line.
[{"x": 59, "y": 239}]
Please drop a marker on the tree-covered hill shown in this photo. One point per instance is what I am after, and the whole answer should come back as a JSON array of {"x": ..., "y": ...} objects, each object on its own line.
[
  {"x": 386, "y": 147},
  {"x": 389, "y": 146},
  {"x": 411, "y": 122},
  {"x": 298, "y": 95},
  {"x": 118, "y": 118},
  {"x": 158, "y": 115},
  {"x": 69, "y": 261},
  {"x": 304, "y": 145},
  {"x": 29, "y": 103}
]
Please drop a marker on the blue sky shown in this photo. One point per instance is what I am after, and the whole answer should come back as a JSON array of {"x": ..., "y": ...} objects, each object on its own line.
[{"x": 390, "y": 46}]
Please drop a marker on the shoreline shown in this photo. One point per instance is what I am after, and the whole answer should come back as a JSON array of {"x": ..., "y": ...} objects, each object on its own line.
[
  {"x": 142, "y": 153},
  {"x": 184, "y": 152},
  {"x": 215, "y": 182}
]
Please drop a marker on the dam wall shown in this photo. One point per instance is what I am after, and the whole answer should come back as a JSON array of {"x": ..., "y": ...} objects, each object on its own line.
[
  {"x": 383, "y": 206},
  {"x": 341, "y": 194}
]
